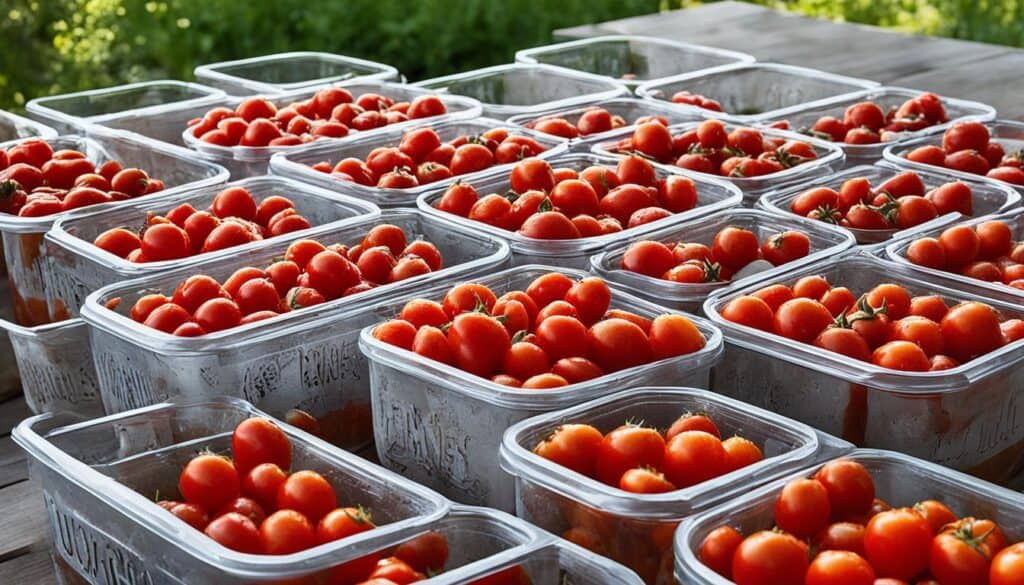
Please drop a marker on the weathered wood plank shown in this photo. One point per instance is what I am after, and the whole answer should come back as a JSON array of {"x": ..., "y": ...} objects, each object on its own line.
[
  {"x": 996, "y": 81},
  {"x": 13, "y": 467},
  {"x": 35, "y": 567},
  {"x": 22, "y": 520}
]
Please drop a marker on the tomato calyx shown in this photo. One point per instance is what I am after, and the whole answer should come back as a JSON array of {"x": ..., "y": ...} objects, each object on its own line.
[
  {"x": 890, "y": 210},
  {"x": 737, "y": 171},
  {"x": 965, "y": 534},
  {"x": 545, "y": 205},
  {"x": 842, "y": 322},
  {"x": 712, "y": 271},
  {"x": 788, "y": 159},
  {"x": 865, "y": 312},
  {"x": 826, "y": 213},
  {"x": 360, "y": 516},
  {"x": 511, "y": 196},
  {"x": 8, "y": 188},
  {"x": 519, "y": 336},
  {"x": 815, "y": 134}
]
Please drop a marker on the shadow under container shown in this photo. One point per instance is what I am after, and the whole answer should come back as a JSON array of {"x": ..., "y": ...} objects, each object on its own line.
[
  {"x": 751, "y": 92},
  {"x": 77, "y": 267},
  {"x": 441, "y": 426},
  {"x": 826, "y": 241},
  {"x": 712, "y": 196},
  {"x": 889, "y": 98},
  {"x": 1014, "y": 219},
  {"x": 23, "y": 236},
  {"x": 15, "y": 127},
  {"x": 899, "y": 479},
  {"x": 630, "y": 59},
  {"x": 283, "y": 72},
  {"x": 305, "y": 359},
  {"x": 518, "y": 88},
  {"x": 149, "y": 108},
  {"x": 297, "y": 164},
  {"x": 249, "y": 161},
  {"x": 99, "y": 479},
  {"x": 636, "y": 529},
  {"x": 1008, "y": 133},
  {"x": 988, "y": 197},
  {"x": 968, "y": 417},
  {"x": 830, "y": 158}
]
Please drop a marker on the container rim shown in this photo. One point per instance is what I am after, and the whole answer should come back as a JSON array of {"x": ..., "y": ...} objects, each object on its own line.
[
  {"x": 41, "y": 106},
  {"x": 214, "y": 71},
  {"x": 41, "y": 130}
]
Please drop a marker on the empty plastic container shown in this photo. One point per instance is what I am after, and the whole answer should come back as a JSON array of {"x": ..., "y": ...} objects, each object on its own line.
[
  {"x": 826, "y": 241},
  {"x": 298, "y": 164},
  {"x": 636, "y": 529},
  {"x": 712, "y": 195},
  {"x": 441, "y": 426},
  {"x": 631, "y": 59},
  {"x": 283, "y": 72},
  {"x": 518, "y": 88},
  {"x": 967, "y": 417},
  {"x": 14, "y": 127}
]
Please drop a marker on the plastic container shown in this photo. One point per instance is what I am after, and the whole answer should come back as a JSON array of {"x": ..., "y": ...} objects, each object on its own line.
[
  {"x": 303, "y": 359},
  {"x": 298, "y": 164},
  {"x": 249, "y": 161},
  {"x": 826, "y": 241},
  {"x": 631, "y": 59},
  {"x": 751, "y": 92},
  {"x": 23, "y": 236},
  {"x": 558, "y": 563},
  {"x": 897, "y": 252},
  {"x": 1008, "y": 133},
  {"x": 150, "y": 108},
  {"x": 76, "y": 267},
  {"x": 441, "y": 426},
  {"x": 968, "y": 417},
  {"x": 636, "y": 529},
  {"x": 889, "y": 98},
  {"x": 830, "y": 157},
  {"x": 629, "y": 108},
  {"x": 99, "y": 479},
  {"x": 14, "y": 127},
  {"x": 899, "y": 479},
  {"x": 988, "y": 198},
  {"x": 517, "y": 88},
  {"x": 712, "y": 196},
  {"x": 282, "y": 72}
]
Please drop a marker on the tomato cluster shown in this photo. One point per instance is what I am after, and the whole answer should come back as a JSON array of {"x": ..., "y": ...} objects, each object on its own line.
[
  {"x": 900, "y": 202},
  {"x": 331, "y": 113},
  {"x": 832, "y": 530},
  {"x": 985, "y": 251},
  {"x": 421, "y": 157},
  {"x": 884, "y": 326},
  {"x": 968, "y": 147},
  {"x": 563, "y": 204},
  {"x": 555, "y": 333},
  {"x": 712, "y": 148},
  {"x": 869, "y": 123},
  {"x": 732, "y": 250},
  {"x": 233, "y": 219},
  {"x": 35, "y": 180},
  {"x": 593, "y": 121},
  {"x": 309, "y": 274},
  {"x": 694, "y": 99}
]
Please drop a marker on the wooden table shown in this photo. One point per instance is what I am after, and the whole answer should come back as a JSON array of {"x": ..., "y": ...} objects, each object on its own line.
[{"x": 976, "y": 71}]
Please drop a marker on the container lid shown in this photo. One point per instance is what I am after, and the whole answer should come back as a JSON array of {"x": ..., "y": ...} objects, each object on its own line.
[{"x": 281, "y": 72}]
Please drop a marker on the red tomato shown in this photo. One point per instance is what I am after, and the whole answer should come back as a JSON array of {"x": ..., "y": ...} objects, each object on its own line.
[
  {"x": 235, "y": 531},
  {"x": 258, "y": 440},
  {"x": 717, "y": 549},
  {"x": 750, "y": 311},
  {"x": 479, "y": 343},
  {"x": 617, "y": 344},
  {"x": 285, "y": 532},
  {"x": 575, "y": 446},
  {"x": 308, "y": 493},
  {"x": 770, "y": 558},
  {"x": 692, "y": 457},
  {"x": 628, "y": 447},
  {"x": 209, "y": 481},
  {"x": 851, "y": 490},
  {"x": 897, "y": 542}
]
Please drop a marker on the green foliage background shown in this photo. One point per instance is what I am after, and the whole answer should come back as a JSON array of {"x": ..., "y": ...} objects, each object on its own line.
[{"x": 56, "y": 46}]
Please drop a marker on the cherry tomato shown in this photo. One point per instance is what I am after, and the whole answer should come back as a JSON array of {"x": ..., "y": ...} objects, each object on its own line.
[
  {"x": 801, "y": 319},
  {"x": 645, "y": 481},
  {"x": 575, "y": 446},
  {"x": 628, "y": 447},
  {"x": 897, "y": 542},
  {"x": 834, "y": 567},
  {"x": 1008, "y": 566},
  {"x": 750, "y": 311},
  {"x": 262, "y": 484},
  {"x": 617, "y": 344},
  {"x": 343, "y": 522},
  {"x": 673, "y": 335},
  {"x": 770, "y": 558},
  {"x": 802, "y": 508},
  {"x": 426, "y": 553},
  {"x": 741, "y": 452},
  {"x": 479, "y": 343},
  {"x": 971, "y": 329},
  {"x": 692, "y": 457},
  {"x": 785, "y": 247},
  {"x": 258, "y": 440},
  {"x": 847, "y": 536},
  {"x": 717, "y": 549},
  {"x": 235, "y": 531},
  {"x": 308, "y": 493},
  {"x": 286, "y": 531},
  {"x": 209, "y": 481},
  {"x": 850, "y": 488}
]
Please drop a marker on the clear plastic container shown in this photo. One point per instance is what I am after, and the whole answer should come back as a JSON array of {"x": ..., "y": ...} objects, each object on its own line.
[
  {"x": 636, "y": 529},
  {"x": 23, "y": 236},
  {"x": 968, "y": 417},
  {"x": 889, "y": 98},
  {"x": 558, "y": 563},
  {"x": 712, "y": 196},
  {"x": 76, "y": 267},
  {"x": 283, "y": 72},
  {"x": 899, "y": 479},
  {"x": 631, "y": 59},
  {"x": 830, "y": 158},
  {"x": 750, "y": 92},
  {"x": 149, "y": 108},
  {"x": 897, "y": 252},
  {"x": 518, "y": 88},
  {"x": 298, "y": 164},
  {"x": 988, "y": 198},
  {"x": 1008, "y": 133},
  {"x": 629, "y": 108},
  {"x": 99, "y": 478},
  {"x": 441, "y": 426},
  {"x": 15, "y": 127},
  {"x": 249, "y": 161},
  {"x": 826, "y": 241},
  {"x": 302, "y": 359}
]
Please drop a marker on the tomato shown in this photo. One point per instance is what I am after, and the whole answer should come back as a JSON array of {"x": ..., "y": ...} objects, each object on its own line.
[
  {"x": 421, "y": 312},
  {"x": 770, "y": 558},
  {"x": 839, "y": 568},
  {"x": 930, "y": 306},
  {"x": 549, "y": 225},
  {"x": 648, "y": 257},
  {"x": 617, "y": 344},
  {"x": 735, "y": 247},
  {"x": 740, "y": 453},
  {"x": 257, "y": 295},
  {"x": 576, "y": 369},
  {"x": 165, "y": 242},
  {"x": 645, "y": 481},
  {"x": 532, "y": 173},
  {"x": 467, "y": 297},
  {"x": 967, "y": 161},
  {"x": 308, "y": 493},
  {"x": 927, "y": 252},
  {"x": 844, "y": 341},
  {"x": 479, "y": 343},
  {"x": 692, "y": 422},
  {"x": 343, "y": 522},
  {"x": 637, "y": 171},
  {"x": 653, "y": 139},
  {"x": 774, "y": 295},
  {"x": 994, "y": 239},
  {"x": 957, "y": 558},
  {"x": 146, "y": 304},
  {"x": 235, "y": 531},
  {"x": 426, "y": 106},
  {"x": 332, "y": 274},
  {"x": 692, "y": 457},
  {"x": 901, "y": 355},
  {"x": 247, "y": 507},
  {"x": 893, "y": 297},
  {"x": 396, "y": 332},
  {"x": 209, "y": 481},
  {"x": 919, "y": 330},
  {"x": 801, "y": 319},
  {"x": 673, "y": 335},
  {"x": 811, "y": 287},
  {"x": 802, "y": 508},
  {"x": 286, "y": 531},
  {"x": 1009, "y": 174},
  {"x": 971, "y": 329},
  {"x": 594, "y": 121},
  {"x": 166, "y": 317},
  {"x": 548, "y": 288},
  {"x": 118, "y": 241},
  {"x": 952, "y": 197},
  {"x": 262, "y": 484},
  {"x": 846, "y": 536},
  {"x": 1008, "y": 566},
  {"x": 625, "y": 200},
  {"x": 968, "y": 135},
  {"x": 628, "y": 447},
  {"x": 896, "y": 542},
  {"x": 696, "y": 162},
  {"x": 591, "y": 297},
  {"x": 936, "y": 513},
  {"x": 575, "y": 446},
  {"x": 190, "y": 514},
  {"x": 218, "y": 314},
  {"x": 717, "y": 549},
  {"x": 834, "y": 128},
  {"x": 785, "y": 247},
  {"x": 838, "y": 300},
  {"x": 914, "y": 210},
  {"x": 375, "y": 264},
  {"x": 750, "y": 311},
  {"x": 712, "y": 134},
  {"x": 850, "y": 488},
  {"x": 864, "y": 114},
  {"x": 235, "y": 202},
  {"x": 258, "y": 440}
]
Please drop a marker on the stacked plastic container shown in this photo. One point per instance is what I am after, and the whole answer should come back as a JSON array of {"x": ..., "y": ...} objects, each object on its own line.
[
  {"x": 283, "y": 72},
  {"x": 14, "y": 127}
]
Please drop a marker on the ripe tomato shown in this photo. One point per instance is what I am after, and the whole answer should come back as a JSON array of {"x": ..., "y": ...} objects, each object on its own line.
[
  {"x": 591, "y": 297},
  {"x": 625, "y": 200},
  {"x": 308, "y": 493},
  {"x": 617, "y": 344},
  {"x": 549, "y": 225},
  {"x": 672, "y": 335},
  {"x": 636, "y": 170},
  {"x": 914, "y": 210},
  {"x": 285, "y": 532},
  {"x": 864, "y": 114},
  {"x": 343, "y": 522},
  {"x": 1008, "y": 566},
  {"x": 165, "y": 242},
  {"x": 750, "y": 311},
  {"x": 850, "y": 488},
  {"x": 548, "y": 288},
  {"x": 235, "y": 531},
  {"x": 118, "y": 241},
  {"x": 936, "y": 513},
  {"x": 717, "y": 549},
  {"x": 893, "y": 297},
  {"x": 785, "y": 247},
  {"x": 167, "y": 317},
  {"x": 770, "y": 558},
  {"x": 645, "y": 481},
  {"x": 949, "y": 197},
  {"x": 735, "y": 247},
  {"x": 209, "y": 481},
  {"x": 839, "y": 568},
  {"x": 741, "y": 452},
  {"x": 802, "y": 508},
  {"x": 994, "y": 239},
  {"x": 846, "y": 536},
  {"x": 844, "y": 341},
  {"x": 692, "y": 422},
  {"x": 235, "y": 202},
  {"x": 811, "y": 287},
  {"x": 692, "y": 457},
  {"x": 897, "y": 542},
  {"x": 927, "y": 252},
  {"x": 971, "y": 329},
  {"x": 921, "y": 331},
  {"x": 628, "y": 447},
  {"x": 576, "y": 369},
  {"x": 838, "y": 300},
  {"x": 648, "y": 257},
  {"x": 653, "y": 139},
  {"x": 479, "y": 343},
  {"x": 258, "y": 440},
  {"x": 262, "y": 484},
  {"x": 677, "y": 193},
  {"x": 968, "y": 135},
  {"x": 530, "y": 174},
  {"x": 801, "y": 319},
  {"x": 776, "y": 294},
  {"x": 575, "y": 446},
  {"x": 218, "y": 314},
  {"x": 467, "y": 297}
]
